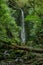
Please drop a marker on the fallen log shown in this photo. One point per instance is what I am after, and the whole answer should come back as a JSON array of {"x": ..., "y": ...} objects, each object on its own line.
[{"x": 25, "y": 48}]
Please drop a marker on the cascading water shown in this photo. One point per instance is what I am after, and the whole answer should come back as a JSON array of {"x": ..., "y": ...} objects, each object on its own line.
[{"x": 22, "y": 27}]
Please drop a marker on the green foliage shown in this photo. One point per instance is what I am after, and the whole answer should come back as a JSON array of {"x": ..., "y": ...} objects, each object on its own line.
[
  {"x": 8, "y": 27},
  {"x": 34, "y": 22},
  {"x": 10, "y": 21},
  {"x": 33, "y": 18}
]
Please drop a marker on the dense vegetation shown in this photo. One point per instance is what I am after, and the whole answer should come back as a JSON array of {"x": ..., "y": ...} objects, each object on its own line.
[{"x": 10, "y": 27}]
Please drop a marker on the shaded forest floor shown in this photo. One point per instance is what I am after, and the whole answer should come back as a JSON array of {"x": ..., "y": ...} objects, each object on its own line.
[
  {"x": 23, "y": 61},
  {"x": 19, "y": 55},
  {"x": 36, "y": 61}
]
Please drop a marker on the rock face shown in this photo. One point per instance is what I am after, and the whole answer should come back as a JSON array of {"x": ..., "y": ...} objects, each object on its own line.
[{"x": 19, "y": 3}]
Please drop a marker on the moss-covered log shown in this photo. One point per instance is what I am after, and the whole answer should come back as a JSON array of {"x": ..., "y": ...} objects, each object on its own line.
[{"x": 29, "y": 49}]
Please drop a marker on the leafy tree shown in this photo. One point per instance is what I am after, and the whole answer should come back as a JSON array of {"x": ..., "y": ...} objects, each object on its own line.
[
  {"x": 35, "y": 16},
  {"x": 9, "y": 31}
]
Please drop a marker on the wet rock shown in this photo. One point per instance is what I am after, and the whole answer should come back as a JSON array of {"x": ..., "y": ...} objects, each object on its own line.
[{"x": 19, "y": 60}]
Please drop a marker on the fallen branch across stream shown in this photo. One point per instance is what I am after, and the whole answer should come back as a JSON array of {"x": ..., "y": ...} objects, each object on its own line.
[{"x": 29, "y": 49}]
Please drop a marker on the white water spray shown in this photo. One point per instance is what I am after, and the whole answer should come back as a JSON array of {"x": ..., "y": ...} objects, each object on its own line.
[{"x": 22, "y": 27}]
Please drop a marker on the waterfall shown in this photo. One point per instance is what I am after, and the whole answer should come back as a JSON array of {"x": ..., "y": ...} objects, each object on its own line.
[{"x": 22, "y": 27}]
